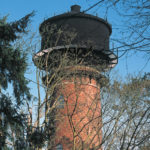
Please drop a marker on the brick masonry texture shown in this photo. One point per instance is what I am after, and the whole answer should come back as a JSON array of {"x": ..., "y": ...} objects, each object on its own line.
[{"x": 79, "y": 120}]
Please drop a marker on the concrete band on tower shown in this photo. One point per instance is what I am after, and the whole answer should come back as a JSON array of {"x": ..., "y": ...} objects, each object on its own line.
[{"x": 78, "y": 43}]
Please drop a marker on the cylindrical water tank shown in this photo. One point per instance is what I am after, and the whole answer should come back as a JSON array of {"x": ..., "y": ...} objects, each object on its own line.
[{"x": 89, "y": 31}]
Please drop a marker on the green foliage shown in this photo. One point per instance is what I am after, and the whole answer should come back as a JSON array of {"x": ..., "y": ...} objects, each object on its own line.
[
  {"x": 13, "y": 65},
  {"x": 9, "y": 117},
  {"x": 13, "y": 60},
  {"x": 8, "y": 31}
]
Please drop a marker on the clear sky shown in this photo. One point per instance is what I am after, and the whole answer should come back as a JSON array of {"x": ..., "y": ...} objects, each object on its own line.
[{"x": 16, "y": 9}]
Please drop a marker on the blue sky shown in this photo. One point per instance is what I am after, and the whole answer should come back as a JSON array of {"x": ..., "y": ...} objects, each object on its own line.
[
  {"x": 44, "y": 8},
  {"x": 16, "y": 9}
]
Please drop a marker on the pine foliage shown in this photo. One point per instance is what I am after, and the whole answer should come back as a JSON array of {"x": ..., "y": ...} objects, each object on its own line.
[
  {"x": 13, "y": 65},
  {"x": 12, "y": 60}
]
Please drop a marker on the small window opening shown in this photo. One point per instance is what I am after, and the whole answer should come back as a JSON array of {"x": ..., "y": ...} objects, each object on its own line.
[
  {"x": 59, "y": 147},
  {"x": 60, "y": 102}
]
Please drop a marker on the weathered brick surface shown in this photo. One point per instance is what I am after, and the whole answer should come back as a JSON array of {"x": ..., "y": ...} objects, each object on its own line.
[{"x": 79, "y": 122}]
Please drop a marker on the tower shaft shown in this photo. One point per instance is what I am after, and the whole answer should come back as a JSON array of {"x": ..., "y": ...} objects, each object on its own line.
[{"x": 78, "y": 118}]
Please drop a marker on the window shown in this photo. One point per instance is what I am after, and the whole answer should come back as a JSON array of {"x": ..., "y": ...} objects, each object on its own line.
[
  {"x": 60, "y": 102},
  {"x": 59, "y": 147}
]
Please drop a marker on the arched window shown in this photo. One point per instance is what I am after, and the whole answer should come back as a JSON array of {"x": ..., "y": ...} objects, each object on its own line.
[
  {"x": 59, "y": 147},
  {"x": 60, "y": 102}
]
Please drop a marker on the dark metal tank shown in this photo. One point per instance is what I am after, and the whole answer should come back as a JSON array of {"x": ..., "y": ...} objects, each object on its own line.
[
  {"x": 77, "y": 30},
  {"x": 91, "y": 31}
]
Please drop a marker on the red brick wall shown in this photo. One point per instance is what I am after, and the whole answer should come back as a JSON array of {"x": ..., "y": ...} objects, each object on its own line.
[{"x": 79, "y": 122}]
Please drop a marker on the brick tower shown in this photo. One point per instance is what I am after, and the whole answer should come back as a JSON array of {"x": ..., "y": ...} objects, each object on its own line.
[{"x": 77, "y": 44}]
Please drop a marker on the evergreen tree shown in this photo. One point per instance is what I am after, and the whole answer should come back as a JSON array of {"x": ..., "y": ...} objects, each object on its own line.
[{"x": 13, "y": 66}]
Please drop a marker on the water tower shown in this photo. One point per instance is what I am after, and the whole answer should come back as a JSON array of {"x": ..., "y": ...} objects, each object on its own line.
[{"x": 77, "y": 45}]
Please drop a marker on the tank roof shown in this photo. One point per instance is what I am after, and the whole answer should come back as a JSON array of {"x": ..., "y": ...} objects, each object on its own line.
[
  {"x": 75, "y": 13},
  {"x": 91, "y": 43}
]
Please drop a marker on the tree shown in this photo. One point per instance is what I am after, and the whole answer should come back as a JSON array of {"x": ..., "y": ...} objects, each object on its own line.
[
  {"x": 13, "y": 65},
  {"x": 137, "y": 11},
  {"x": 128, "y": 106},
  {"x": 125, "y": 110},
  {"x": 132, "y": 26},
  {"x": 124, "y": 117}
]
